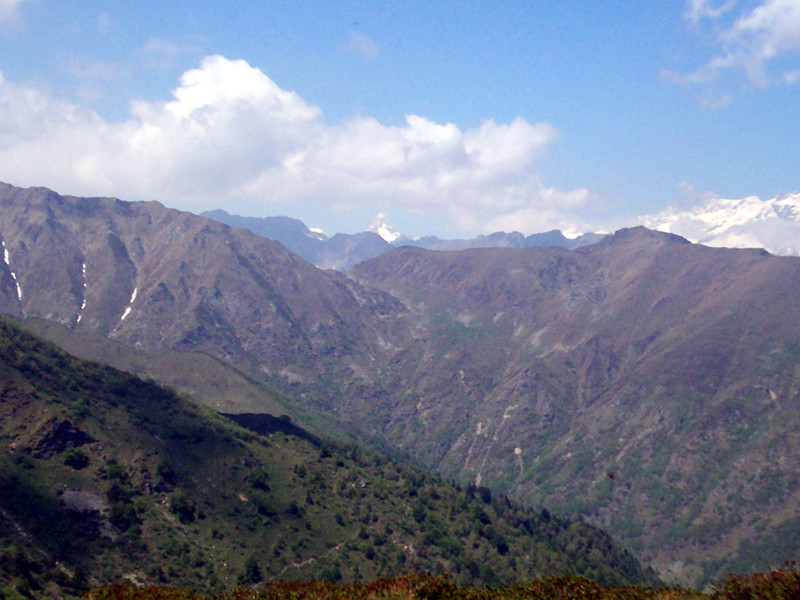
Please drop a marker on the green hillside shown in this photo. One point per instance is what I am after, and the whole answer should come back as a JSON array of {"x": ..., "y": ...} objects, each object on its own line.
[{"x": 106, "y": 478}]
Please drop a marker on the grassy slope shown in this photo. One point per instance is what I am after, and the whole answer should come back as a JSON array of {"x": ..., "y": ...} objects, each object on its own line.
[
  {"x": 183, "y": 496},
  {"x": 204, "y": 378}
]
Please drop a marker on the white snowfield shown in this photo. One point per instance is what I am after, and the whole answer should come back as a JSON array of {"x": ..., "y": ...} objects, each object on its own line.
[{"x": 383, "y": 228}]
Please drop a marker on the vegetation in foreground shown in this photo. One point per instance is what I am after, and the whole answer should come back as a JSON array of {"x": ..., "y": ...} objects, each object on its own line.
[
  {"x": 781, "y": 584},
  {"x": 105, "y": 478}
]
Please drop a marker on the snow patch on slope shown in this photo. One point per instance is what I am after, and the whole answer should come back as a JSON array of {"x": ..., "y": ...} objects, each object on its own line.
[
  {"x": 130, "y": 305},
  {"x": 83, "y": 302},
  {"x": 7, "y": 260},
  {"x": 317, "y": 234}
]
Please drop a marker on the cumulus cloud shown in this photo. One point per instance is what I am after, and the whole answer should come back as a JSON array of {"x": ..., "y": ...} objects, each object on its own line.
[
  {"x": 231, "y": 136},
  {"x": 553, "y": 213},
  {"x": 749, "y": 43}
]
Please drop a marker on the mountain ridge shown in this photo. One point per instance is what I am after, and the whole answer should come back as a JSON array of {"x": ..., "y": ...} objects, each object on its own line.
[
  {"x": 343, "y": 251},
  {"x": 538, "y": 372}
]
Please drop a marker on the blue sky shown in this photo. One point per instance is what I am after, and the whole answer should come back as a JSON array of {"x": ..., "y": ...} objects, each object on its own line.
[{"x": 452, "y": 118}]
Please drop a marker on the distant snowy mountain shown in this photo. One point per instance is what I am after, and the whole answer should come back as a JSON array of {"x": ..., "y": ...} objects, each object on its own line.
[
  {"x": 384, "y": 228},
  {"x": 744, "y": 223}
]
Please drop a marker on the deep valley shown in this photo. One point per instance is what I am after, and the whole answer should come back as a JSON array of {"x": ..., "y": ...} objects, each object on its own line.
[{"x": 640, "y": 384}]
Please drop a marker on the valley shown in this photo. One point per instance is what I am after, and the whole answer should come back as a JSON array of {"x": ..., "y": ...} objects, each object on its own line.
[
  {"x": 641, "y": 384},
  {"x": 106, "y": 478}
]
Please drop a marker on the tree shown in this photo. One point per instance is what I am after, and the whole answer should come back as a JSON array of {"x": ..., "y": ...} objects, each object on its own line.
[{"x": 252, "y": 572}]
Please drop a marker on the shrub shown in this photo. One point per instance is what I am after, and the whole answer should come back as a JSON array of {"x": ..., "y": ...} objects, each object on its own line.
[{"x": 76, "y": 458}]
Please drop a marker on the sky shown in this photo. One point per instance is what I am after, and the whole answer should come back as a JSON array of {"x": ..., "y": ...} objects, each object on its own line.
[{"x": 453, "y": 118}]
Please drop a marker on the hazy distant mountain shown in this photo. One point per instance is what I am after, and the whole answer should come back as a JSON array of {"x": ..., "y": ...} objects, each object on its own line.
[
  {"x": 644, "y": 383},
  {"x": 343, "y": 251},
  {"x": 340, "y": 252},
  {"x": 731, "y": 223},
  {"x": 745, "y": 223},
  {"x": 509, "y": 240}
]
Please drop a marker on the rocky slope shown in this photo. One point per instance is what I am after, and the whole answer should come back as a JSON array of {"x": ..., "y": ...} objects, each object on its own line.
[
  {"x": 643, "y": 383},
  {"x": 160, "y": 279}
]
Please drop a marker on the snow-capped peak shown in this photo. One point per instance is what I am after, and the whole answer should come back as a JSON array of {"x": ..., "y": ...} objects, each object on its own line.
[
  {"x": 745, "y": 222},
  {"x": 383, "y": 228},
  {"x": 317, "y": 233}
]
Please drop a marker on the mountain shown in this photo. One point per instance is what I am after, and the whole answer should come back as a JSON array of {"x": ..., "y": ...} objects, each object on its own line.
[
  {"x": 202, "y": 377},
  {"x": 107, "y": 478},
  {"x": 741, "y": 223},
  {"x": 509, "y": 240},
  {"x": 642, "y": 383},
  {"x": 340, "y": 252},
  {"x": 384, "y": 228},
  {"x": 344, "y": 251},
  {"x": 159, "y": 280}
]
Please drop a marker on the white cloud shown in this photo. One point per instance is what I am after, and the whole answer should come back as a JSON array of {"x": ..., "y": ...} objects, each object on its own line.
[
  {"x": 231, "y": 136},
  {"x": 697, "y": 10},
  {"x": 544, "y": 218},
  {"x": 9, "y": 9},
  {"x": 792, "y": 77},
  {"x": 162, "y": 54},
  {"x": 748, "y": 43},
  {"x": 361, "y": 45}
]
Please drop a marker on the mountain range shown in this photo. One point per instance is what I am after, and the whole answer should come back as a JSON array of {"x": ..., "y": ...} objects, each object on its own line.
[
  {"x": 343, "y": 251},
  {"x": 642, "y": 383},
  {"x": 772, "y": 224}
]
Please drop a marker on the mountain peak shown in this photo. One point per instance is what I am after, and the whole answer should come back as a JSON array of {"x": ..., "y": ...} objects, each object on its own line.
[
  {"x": 639, "y": 234},
  {"x": 383, "y": 228}
]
